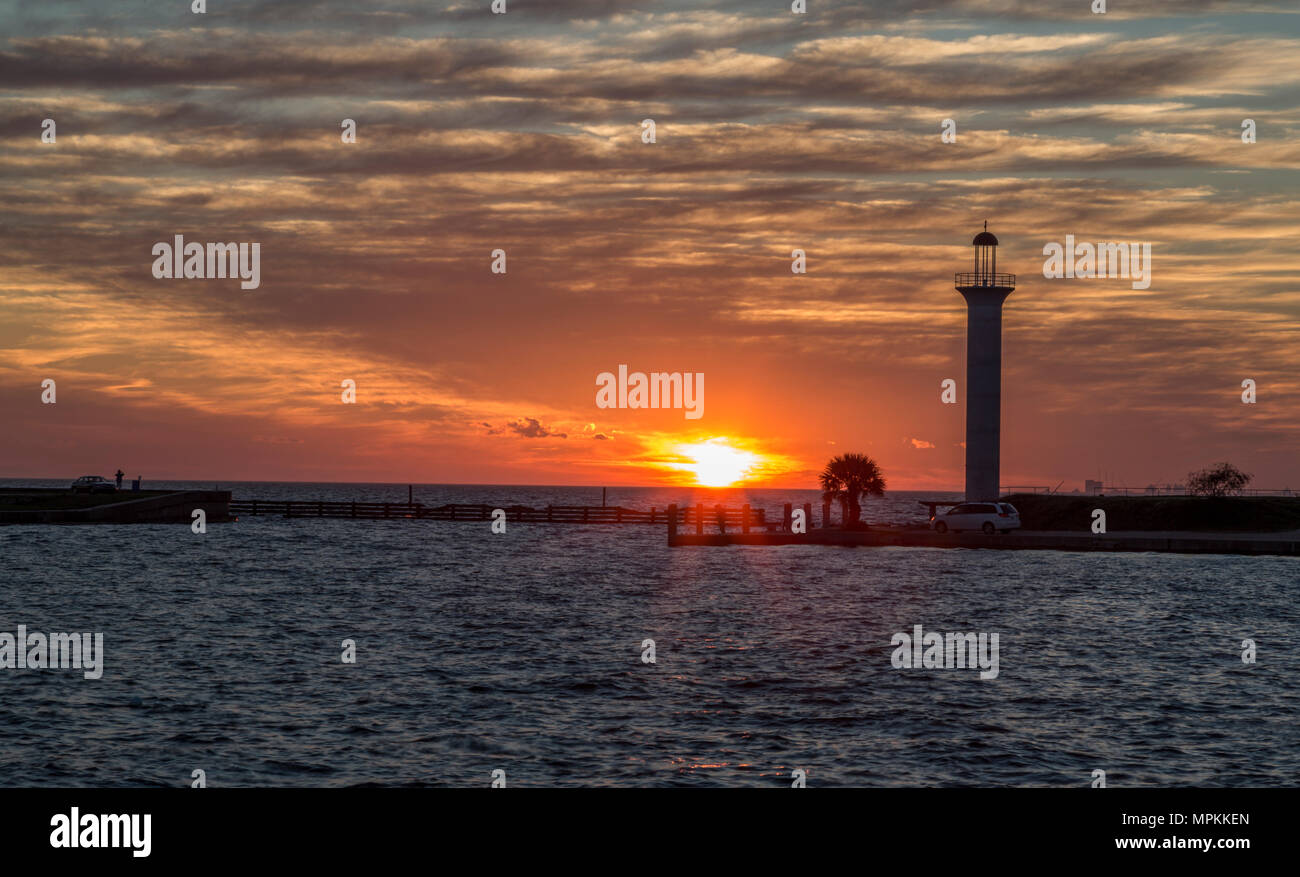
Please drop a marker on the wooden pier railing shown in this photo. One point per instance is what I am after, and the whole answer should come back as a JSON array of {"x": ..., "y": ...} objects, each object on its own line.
[{"x": 742, "y": 518}]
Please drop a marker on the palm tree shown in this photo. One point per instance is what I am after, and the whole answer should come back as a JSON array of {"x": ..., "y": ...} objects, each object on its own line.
[{"x": 848, "y": 478}]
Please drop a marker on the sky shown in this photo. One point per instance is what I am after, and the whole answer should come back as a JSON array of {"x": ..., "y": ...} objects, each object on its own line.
[{"x": 523, "y": 132}]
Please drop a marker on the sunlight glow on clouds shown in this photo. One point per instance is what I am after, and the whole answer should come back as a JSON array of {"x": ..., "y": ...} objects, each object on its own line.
[{"x": 524, "y": 134}]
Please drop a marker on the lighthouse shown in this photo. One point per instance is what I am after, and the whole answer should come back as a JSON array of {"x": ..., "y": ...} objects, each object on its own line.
[{"x": 984, "y": 290}]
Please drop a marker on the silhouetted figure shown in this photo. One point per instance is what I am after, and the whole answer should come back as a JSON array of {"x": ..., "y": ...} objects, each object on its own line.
[
  {"x": 722, "y": 519},
  {"x": 120, "y": 476}
]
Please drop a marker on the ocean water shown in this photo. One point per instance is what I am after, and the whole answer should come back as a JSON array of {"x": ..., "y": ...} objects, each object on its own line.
[{"x": 522, "y": 652}]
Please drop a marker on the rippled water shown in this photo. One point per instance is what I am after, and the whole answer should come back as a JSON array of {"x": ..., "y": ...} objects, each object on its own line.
[{"x": 522, "y": 652}]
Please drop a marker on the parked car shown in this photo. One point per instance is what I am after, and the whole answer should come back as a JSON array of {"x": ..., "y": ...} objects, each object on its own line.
[
  {"x": 93, "y": 484},
  {"x": 986, "y": 516}
]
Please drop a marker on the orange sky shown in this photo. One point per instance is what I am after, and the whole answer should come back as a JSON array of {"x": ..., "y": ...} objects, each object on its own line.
[{"x": 821, "y": 133}]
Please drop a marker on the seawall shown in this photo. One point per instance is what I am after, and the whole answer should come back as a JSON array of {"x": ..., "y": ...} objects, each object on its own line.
[
  {"x": 52, "y": 507},
  {"x": 1021, "y": 540}
]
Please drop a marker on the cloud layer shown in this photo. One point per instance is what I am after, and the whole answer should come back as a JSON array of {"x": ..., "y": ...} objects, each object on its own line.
[{"x": 523, "y": 132}]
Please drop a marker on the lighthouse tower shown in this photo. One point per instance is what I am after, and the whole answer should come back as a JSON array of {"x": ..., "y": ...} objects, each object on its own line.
[{"x": 984, "y": 291}]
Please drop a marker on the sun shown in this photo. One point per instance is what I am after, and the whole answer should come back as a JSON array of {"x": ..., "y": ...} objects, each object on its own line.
[{"x": 716, "y": 463}]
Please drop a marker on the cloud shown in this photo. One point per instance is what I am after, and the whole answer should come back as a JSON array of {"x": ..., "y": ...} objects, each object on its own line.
[
  {"x": 523, "y": 131},
  {"x": 529, "y": 427}
]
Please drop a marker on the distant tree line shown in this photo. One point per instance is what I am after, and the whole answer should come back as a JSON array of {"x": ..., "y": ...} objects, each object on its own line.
[{"x": 1221, "y": 479}]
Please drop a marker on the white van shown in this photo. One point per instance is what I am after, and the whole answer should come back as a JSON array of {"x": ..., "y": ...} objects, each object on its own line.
[{"x": 986, "y": 516}]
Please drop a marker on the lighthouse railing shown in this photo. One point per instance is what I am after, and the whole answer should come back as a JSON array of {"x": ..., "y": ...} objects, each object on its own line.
[{"x": 972, "y": 278}]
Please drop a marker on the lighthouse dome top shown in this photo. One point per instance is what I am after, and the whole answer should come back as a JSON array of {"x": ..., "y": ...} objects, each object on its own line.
[
  {"x": 985, "y": 278},
  {"x": 985, "y": 238}
]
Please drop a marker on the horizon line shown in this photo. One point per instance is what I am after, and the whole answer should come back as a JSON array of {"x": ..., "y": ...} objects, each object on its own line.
[{"x": 481, "y": 484}]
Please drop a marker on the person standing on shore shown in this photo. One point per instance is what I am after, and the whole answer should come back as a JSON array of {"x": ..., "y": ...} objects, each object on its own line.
[{"x": 120, "y": 476}]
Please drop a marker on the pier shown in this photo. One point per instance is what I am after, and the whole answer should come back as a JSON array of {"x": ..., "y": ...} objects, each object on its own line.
[
  {"x": 1285, "y": 543},
  {"x": 743, "y": 518},
  {"x": 55, "y": 506}
]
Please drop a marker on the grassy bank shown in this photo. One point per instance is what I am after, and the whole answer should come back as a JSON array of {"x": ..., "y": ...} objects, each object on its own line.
[{"x": 1262, "y": 514}]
